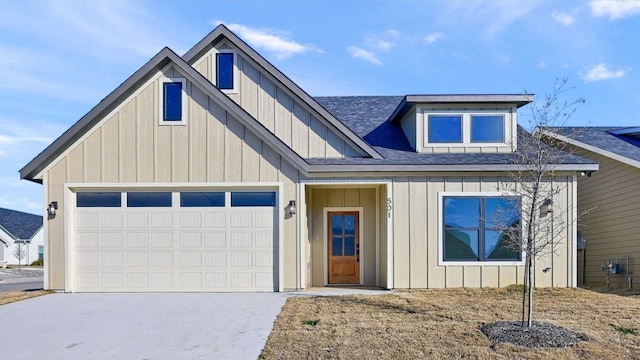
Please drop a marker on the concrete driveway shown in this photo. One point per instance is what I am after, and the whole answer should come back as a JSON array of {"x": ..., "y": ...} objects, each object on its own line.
[{"x": 139, "y": 326}]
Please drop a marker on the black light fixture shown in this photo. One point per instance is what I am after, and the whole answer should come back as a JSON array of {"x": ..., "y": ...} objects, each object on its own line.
[
  {"x": 546, "y": 207},
  {"x": 51, "y": 209},
  {"x": 292, "y": 207}
]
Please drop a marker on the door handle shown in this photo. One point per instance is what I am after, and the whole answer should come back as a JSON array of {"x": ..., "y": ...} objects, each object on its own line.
[{"x": 358, "y": 252}]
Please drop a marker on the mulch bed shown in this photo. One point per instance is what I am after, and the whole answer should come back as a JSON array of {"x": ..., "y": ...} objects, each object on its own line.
[{"x": 539, "y": 335}]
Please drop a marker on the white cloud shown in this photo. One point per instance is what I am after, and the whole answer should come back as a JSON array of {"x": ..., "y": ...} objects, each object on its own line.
[
  {"x": 360, "y": 53},
  {"x": 489, "y": 18},
  {"x": 601, "y": 72},
  {"x": 378, "y": 43},
  {"x": 392, "y": 32},
  {"x": 563, "y": 18},
  {"x": 542, "y": 65},
  {"x": 432, "y": 38},
  {"x": 270, "y": 41},
  {"x": 615, "y": 9}
]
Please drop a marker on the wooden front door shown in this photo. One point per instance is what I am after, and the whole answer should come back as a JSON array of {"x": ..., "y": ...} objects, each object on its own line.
[{"x": 344, "y": 247}]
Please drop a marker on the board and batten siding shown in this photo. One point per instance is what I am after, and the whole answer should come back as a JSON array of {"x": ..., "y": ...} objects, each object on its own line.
[
  {"x": 416, "y": 237},
  {"x": 129, "y": 146},
  {"x": 612, "y": 224},
  {"x": 280, "y": 111}
]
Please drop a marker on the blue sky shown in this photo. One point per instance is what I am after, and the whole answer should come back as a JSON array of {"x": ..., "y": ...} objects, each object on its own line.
[{"x": 58, "y": 59}]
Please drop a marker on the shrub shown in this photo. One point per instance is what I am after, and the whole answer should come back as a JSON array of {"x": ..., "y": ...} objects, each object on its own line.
[{"x": 38, "y": 262}]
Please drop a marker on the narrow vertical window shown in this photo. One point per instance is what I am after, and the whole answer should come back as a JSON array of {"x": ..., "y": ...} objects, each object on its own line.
[
  {"x": 224, "y": 71},
  {"x": 172, "y": 101}
]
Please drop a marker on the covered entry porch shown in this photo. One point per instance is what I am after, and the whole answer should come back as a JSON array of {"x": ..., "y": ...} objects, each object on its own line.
[{"x": 346, "y": 234}]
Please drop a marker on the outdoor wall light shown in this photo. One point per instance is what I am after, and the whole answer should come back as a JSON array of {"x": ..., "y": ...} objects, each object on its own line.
[
  {"x": 292, "y": 207},
  {"x": 546, "y": 207},
  {"x": 51, "y": 209}
]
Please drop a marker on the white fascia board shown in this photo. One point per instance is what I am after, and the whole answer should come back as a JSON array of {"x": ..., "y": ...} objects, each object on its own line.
[{"x": 594, "y": 149}]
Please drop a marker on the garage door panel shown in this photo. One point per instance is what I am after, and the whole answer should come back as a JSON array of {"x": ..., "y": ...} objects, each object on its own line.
[
  {"x": 112, "y": 280},
  {"x": 241, "y": 219},
  {"x": 241, "y": 259},
  {"x": 241, "y": 280},
  {"x": 241, "y": 239},
  {"x": 86, "y": 220},
  {"x": 162, "y": 280},
  {"x": 161, "y": 220},
  {"x": 161, "y": 240},
  {"x": 191, "y": 259},
  {"x": 215, "y": 220},
  {"x": 191, "y": 239},
  {"x": 174, "y": 249},
  {"x": 137, "y": 220},
  {"x": 137, "y": 240},
  {"x": 263, "y": 259},
  {"x": 87, "y": 258},
  {"x": 138, "y": 280},
  {"x": 111, "y": 259},
  {"x": 215, "y": 259},
  {"x": 110, "y": 220},
  {"x": 111, "y": 240},
  {"x": 215, "y": 239},
  {"x": 191, "y": 220},
  {"x": 86, "y": 240},
  {"x": 190, "y": 280},
  {"x": 138, "y": 259},
  {"x": 215, "y": 280}
]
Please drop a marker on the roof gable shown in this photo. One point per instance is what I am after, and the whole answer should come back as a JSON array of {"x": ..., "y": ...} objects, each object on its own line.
[
  {"x": 18, "y": 224},
  {"x": 221, "y": 32},
  {"x": 165, "y": 57}
]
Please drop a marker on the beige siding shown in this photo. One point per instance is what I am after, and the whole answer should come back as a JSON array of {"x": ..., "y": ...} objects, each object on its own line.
[
  {"x": 613, "y": 223},
  {"x": 280, "y": 111},
  {"x": 416, "y": 237},
  {"x": 336, "y": 198},
  {"x": 131, "y": 147}
]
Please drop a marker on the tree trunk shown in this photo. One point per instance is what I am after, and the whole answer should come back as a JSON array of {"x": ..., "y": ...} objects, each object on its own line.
[{"x": 530, "y": 317}]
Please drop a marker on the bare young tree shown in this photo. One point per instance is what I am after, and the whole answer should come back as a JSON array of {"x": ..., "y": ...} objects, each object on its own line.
[
  {"x": 19, "y": 252},
  {"x": 541, "y": 225}
]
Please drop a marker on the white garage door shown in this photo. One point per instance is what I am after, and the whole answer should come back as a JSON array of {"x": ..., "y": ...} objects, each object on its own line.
[{"x": 174, "y": 241}]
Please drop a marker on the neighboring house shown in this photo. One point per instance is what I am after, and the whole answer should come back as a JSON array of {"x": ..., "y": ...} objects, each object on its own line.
[
  {"x": 16, "y": 228},
  {"x": 611, "y": 227},
  {"x": 215, "y": 172}
]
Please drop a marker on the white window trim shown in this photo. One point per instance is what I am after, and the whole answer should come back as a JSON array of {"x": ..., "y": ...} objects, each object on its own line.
[
  {"x": 161, "y": 120},
  {"x": 508, "y": 126},
  {"x": 236, "y": 71},
  {"x": 441, "y": 261}
]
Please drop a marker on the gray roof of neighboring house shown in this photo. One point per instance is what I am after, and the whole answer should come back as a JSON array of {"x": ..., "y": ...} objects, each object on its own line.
[
  {"x": 605, "y": 138},
  {"x": 369, "y": 117},
  {"x": 18, "y": 224}
]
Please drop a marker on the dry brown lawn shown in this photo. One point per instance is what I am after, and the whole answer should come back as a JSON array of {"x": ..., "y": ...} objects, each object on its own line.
[
  {"x": 13, "y": 296},
  {"x": 444, "y": 324}
]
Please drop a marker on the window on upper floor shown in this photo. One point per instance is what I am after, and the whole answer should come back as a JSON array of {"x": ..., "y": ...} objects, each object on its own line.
[
  {"x": 487, "y": 128},
  {"x": 225, "y": 70},
  {"x": 445, "y": 128},
  {"x": 481, "y": 228},
  {"x": 465, "y": 128},
  {"x": 173, "y": 101}
]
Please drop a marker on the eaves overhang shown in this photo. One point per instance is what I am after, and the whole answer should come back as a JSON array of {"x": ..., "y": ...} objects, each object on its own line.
[
  {"x": 589, "y": 147},
  {"x": 165, "y": 57},
  {"x": 409, "y": 101},
  {"x": 222, "y": 32},
  {"x": 402, "y": 168}
]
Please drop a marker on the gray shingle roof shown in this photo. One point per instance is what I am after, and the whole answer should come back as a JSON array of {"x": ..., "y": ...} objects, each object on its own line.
[
  {"x": 369, "y": 116},
  {"x": 18, "y": 224},
  {"x": 601, "y": 137}
]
